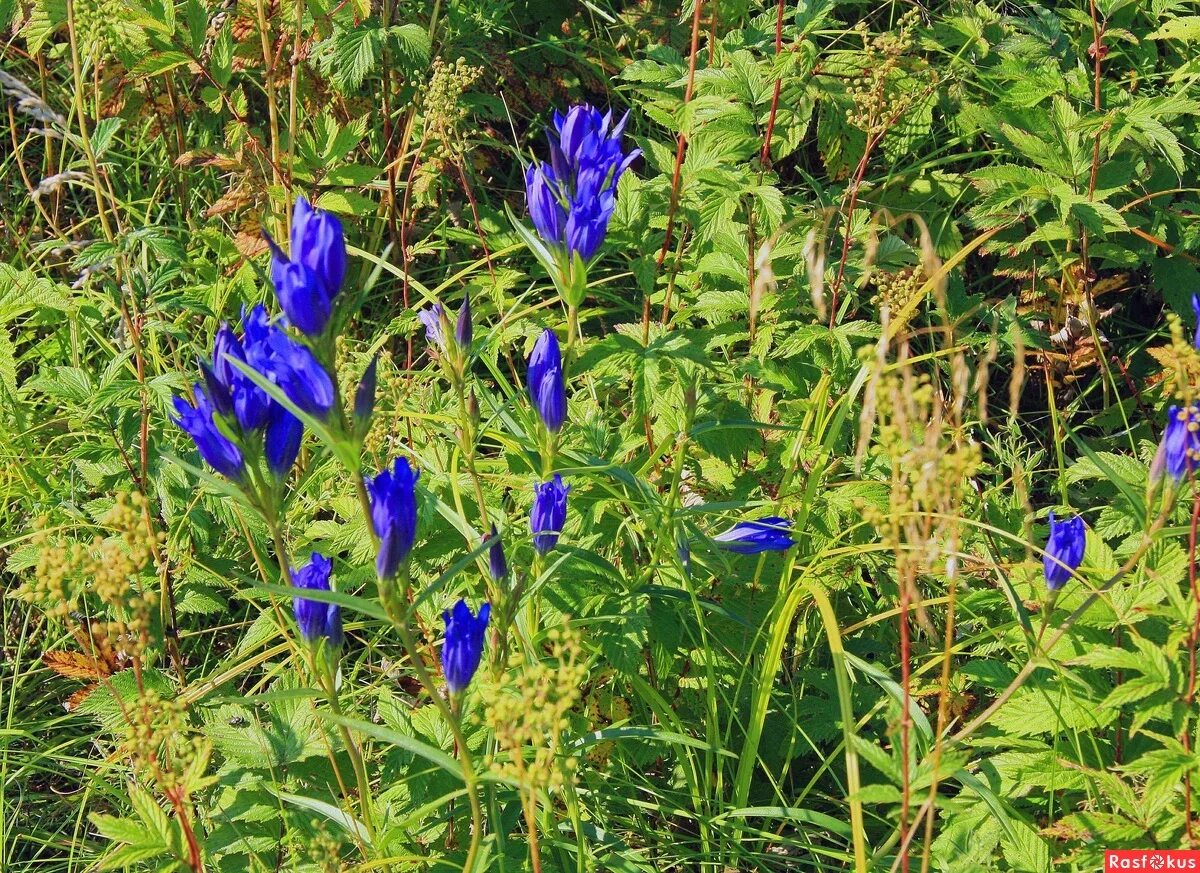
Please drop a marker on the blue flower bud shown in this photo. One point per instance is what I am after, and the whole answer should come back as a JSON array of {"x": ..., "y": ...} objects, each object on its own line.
[
  {"x": 497, "y": 566},
  {"x": 1064, "y": 550},
  {"x": 463, "y": 646},
  {"x": 318, "y": 243},
  {"x": 393, "y": 515},
  {"x": 464, "y": 331},
  {"x": 547, "y": 212},
  {"x": 299, "y": 293},
  {"x": 1196, "y": 310},
  {"x": 545, "y": 378},
  {"x": 296, "y": 370},
  {"x": 771, "y": 533},
  {"x": 307, "y": 283},
  {"x": 315, "y": 619},
  {"x": 364, "y": 395},
  {"x": 218, "y": 451},
  {"x": 549, "y": 513},
  {"x": 249, "y": 402}
]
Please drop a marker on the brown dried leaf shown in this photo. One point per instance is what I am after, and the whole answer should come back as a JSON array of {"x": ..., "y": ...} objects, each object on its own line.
[{"x": 75, "y": 665}]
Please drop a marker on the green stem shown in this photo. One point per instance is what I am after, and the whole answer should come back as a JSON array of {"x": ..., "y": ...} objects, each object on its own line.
[
  {"x": 469, "y": 777},
  {"x": 468, "y": 448},
  {"x": 327, "y": 683}
]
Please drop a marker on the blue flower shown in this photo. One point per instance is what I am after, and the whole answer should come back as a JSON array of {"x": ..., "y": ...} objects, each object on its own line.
[
  {"x": 431, "y": 317},
  {"x": 316, "y": 620},
  {"x": 571, "y": 200},
  {"x": 1196, "y": 309},
  {"x": 282, "y": 441},
  {"x": 307, "y": 283},
  {"x": 463, "y": 646},
  {"x": 249, "y": 403},
  {"x": 293, "y": 367},
  {"x": 497, "y": 566},
  {"x": 394, "y": 515},
  {"x": 771, "y": 533},
  {"x": 1064, "y": 550},
  {"x": 545, "y": 380},
  {"x": 549, "y": 513},
  {"x": 1180, "y": 446},
  {"x": 196, "y": 419},
  {"x": 545, "y": 208}
]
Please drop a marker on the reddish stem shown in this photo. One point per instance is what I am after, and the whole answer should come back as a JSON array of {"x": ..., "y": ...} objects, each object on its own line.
[
  {"x": 680, "y": 150},
  {"x": 766, "y": 149}
]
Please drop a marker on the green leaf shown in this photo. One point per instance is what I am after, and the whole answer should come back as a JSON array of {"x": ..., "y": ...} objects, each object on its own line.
[
  {"x": 160, "y": 62},
  {"x": 356, "y": 53},
  {"x": 1186, "y": 28},
  {"x": 340, "y": 817},
  {"x": 395, "y": 738}
]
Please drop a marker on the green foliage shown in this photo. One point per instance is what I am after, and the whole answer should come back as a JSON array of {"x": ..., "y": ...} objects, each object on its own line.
[{"x": 897, "y": 242}]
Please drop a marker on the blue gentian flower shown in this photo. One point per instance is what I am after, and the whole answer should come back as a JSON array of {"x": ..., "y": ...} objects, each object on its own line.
[
  {"x": 247, "y": 409},
  {"x": 282, "y": 441},
  {"x": 771, "y": 533},
  {"x": 249, "y": 403},
  {"x": 1064, "y": 550},
  {"x": 572, "y": 199},
  {"x": 393, "y": 515},
  {"x": 294, "y": 368},
  {"x": 546, "y": 210},
  {"x": 1196, "y": 309},
  {"x": 431, "y": 317},
  {"x": 218, "y": 451},
  {"x": 1180, "y": 446},
  {"x": 307, "y": 283},
  {"x": 316, "y": 620},
  {"x": 497, "y": 566},
  {"x": 545, "y": 379},
  {"x": 549, "y": 513},
  {"x": 464, "y": 644}
]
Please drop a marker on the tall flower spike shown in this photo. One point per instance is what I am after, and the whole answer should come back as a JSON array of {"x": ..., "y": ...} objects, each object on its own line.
[
  {"x": 548, "y": 513},
  {"x": 545, "y": 378},
  {"x": 771, "y": 533},
  {"x": 1064, "y": 550},
  {"x": 316, "y": 620},
  {"x": 463, "y": 648},
  {"x": 218, "y": 451},
  {"x": 307, "y": 282},
  {"x": 394, "y": 515}
]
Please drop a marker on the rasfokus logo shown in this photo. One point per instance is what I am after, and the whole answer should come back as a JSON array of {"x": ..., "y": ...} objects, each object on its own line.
[{"x": 1152, "y": 860}]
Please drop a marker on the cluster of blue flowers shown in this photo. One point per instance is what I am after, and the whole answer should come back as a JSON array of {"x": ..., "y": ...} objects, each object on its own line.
[
  {"x": 235, "y": 422},
  {"x": 572, "y": 198},
  {"x": 246, "y": 412}
]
